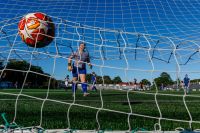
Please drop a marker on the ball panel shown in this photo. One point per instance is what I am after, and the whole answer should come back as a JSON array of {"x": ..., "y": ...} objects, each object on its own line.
[
  {"x": 30, "y": 41},
  {"x": 21, "y": 24},
  {"x": 41, "y": 16},
  {"x": 21, "y": 35},
  {"x": 32, "y": 23},
  {"x": 38, "y": 34}
]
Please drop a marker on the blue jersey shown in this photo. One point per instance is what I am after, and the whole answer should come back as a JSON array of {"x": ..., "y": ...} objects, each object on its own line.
[{"x": 186, "y": 80}]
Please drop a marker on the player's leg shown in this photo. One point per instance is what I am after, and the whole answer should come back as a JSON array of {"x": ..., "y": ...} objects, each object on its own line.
[
  {"x": 184, "y": 88},
  {"x": 82, "y": 75},
  {"x": 94, "y": 86},
  {"x": 187, "y": 89},
  {"x": 74, "y": 79}
]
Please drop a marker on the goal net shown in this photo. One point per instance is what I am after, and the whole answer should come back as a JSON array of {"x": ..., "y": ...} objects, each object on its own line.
[{"x": 141, "y": 52}]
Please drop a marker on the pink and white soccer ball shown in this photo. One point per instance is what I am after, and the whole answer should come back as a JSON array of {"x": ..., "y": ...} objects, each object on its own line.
[{"x": 36, "y": 29}]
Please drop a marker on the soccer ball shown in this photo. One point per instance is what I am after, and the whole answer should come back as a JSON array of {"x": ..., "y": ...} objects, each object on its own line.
[{"x": 36, "y": 29}]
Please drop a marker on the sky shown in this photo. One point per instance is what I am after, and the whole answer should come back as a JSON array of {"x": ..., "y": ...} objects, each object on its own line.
[{"x": 126, "y": 38}]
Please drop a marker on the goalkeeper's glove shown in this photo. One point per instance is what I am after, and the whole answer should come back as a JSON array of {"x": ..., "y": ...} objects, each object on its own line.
[
  {"x": 90, "y": 65},
  {"x": 69, "y": 67}
]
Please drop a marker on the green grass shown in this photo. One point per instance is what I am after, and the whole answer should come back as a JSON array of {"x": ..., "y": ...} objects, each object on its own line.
[{"x": 82, "y": 114}]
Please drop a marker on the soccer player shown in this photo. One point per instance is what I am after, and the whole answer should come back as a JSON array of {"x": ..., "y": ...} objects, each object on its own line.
[
  {"x": 94, "y": 79},
  {"x": 186, "y": 82},
  {"x": 67, "y": 81},
  {"x": 135, "y": 84},
  {"x": 78, "y": 67}
]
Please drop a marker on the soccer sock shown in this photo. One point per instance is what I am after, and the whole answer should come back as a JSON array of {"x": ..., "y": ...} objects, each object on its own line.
[
  {"x": 84, "y": 87},
  {"x": 74, "y": 87},
  {"x": 92, "y": 87},
  {"x": 95, "y": 88}
]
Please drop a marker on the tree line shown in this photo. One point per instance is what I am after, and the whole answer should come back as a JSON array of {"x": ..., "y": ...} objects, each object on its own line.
[
  {"x": 104, "y": 79},
  {"x": 24, "y": 73},
  {"x": 116, "y": 80}
]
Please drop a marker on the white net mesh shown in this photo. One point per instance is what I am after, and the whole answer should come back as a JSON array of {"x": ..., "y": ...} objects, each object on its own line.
[{"x": 129, "y": 39}]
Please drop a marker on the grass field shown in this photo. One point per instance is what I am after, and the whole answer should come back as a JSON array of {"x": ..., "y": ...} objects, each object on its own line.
[{"x": 113, "y": 115}]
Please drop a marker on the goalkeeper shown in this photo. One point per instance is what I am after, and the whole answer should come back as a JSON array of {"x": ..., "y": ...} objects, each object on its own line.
[{"x": 78, "y": 67}]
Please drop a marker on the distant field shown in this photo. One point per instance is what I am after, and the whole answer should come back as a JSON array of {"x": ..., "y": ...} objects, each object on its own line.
[{"x": 113, "y": 115}]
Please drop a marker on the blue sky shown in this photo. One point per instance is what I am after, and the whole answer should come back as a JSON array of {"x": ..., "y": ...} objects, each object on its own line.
[{"x": 141, "y": 37}]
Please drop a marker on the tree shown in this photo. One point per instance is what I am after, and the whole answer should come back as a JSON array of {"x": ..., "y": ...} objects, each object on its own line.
[
  {"x": 145, "y": 82},
  {"x": 20, "y": 70},
  {"x": 165, "y": 75},
  {"x": 89, "y": 77},
  {"x": 164, "y": 80},
  {"x": 117, "y": 80},
  {"x": 107, "y": 79},
  {"x": 99, "y": 80},
  {"x": 18, "y": 65},
  {"x": 158, "y": 81}
]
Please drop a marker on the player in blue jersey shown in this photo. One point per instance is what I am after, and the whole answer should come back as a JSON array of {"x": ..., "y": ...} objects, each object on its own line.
[
  {"x": 186, "y": 82},
  {"x": 93, "y": 81},
  {"x": 77, "y": 65}
]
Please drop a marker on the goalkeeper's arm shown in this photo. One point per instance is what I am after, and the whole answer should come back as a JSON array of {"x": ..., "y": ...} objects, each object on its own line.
[
  {"x": 88, "y": 61},
  {"x": 69, "y": 66}
]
